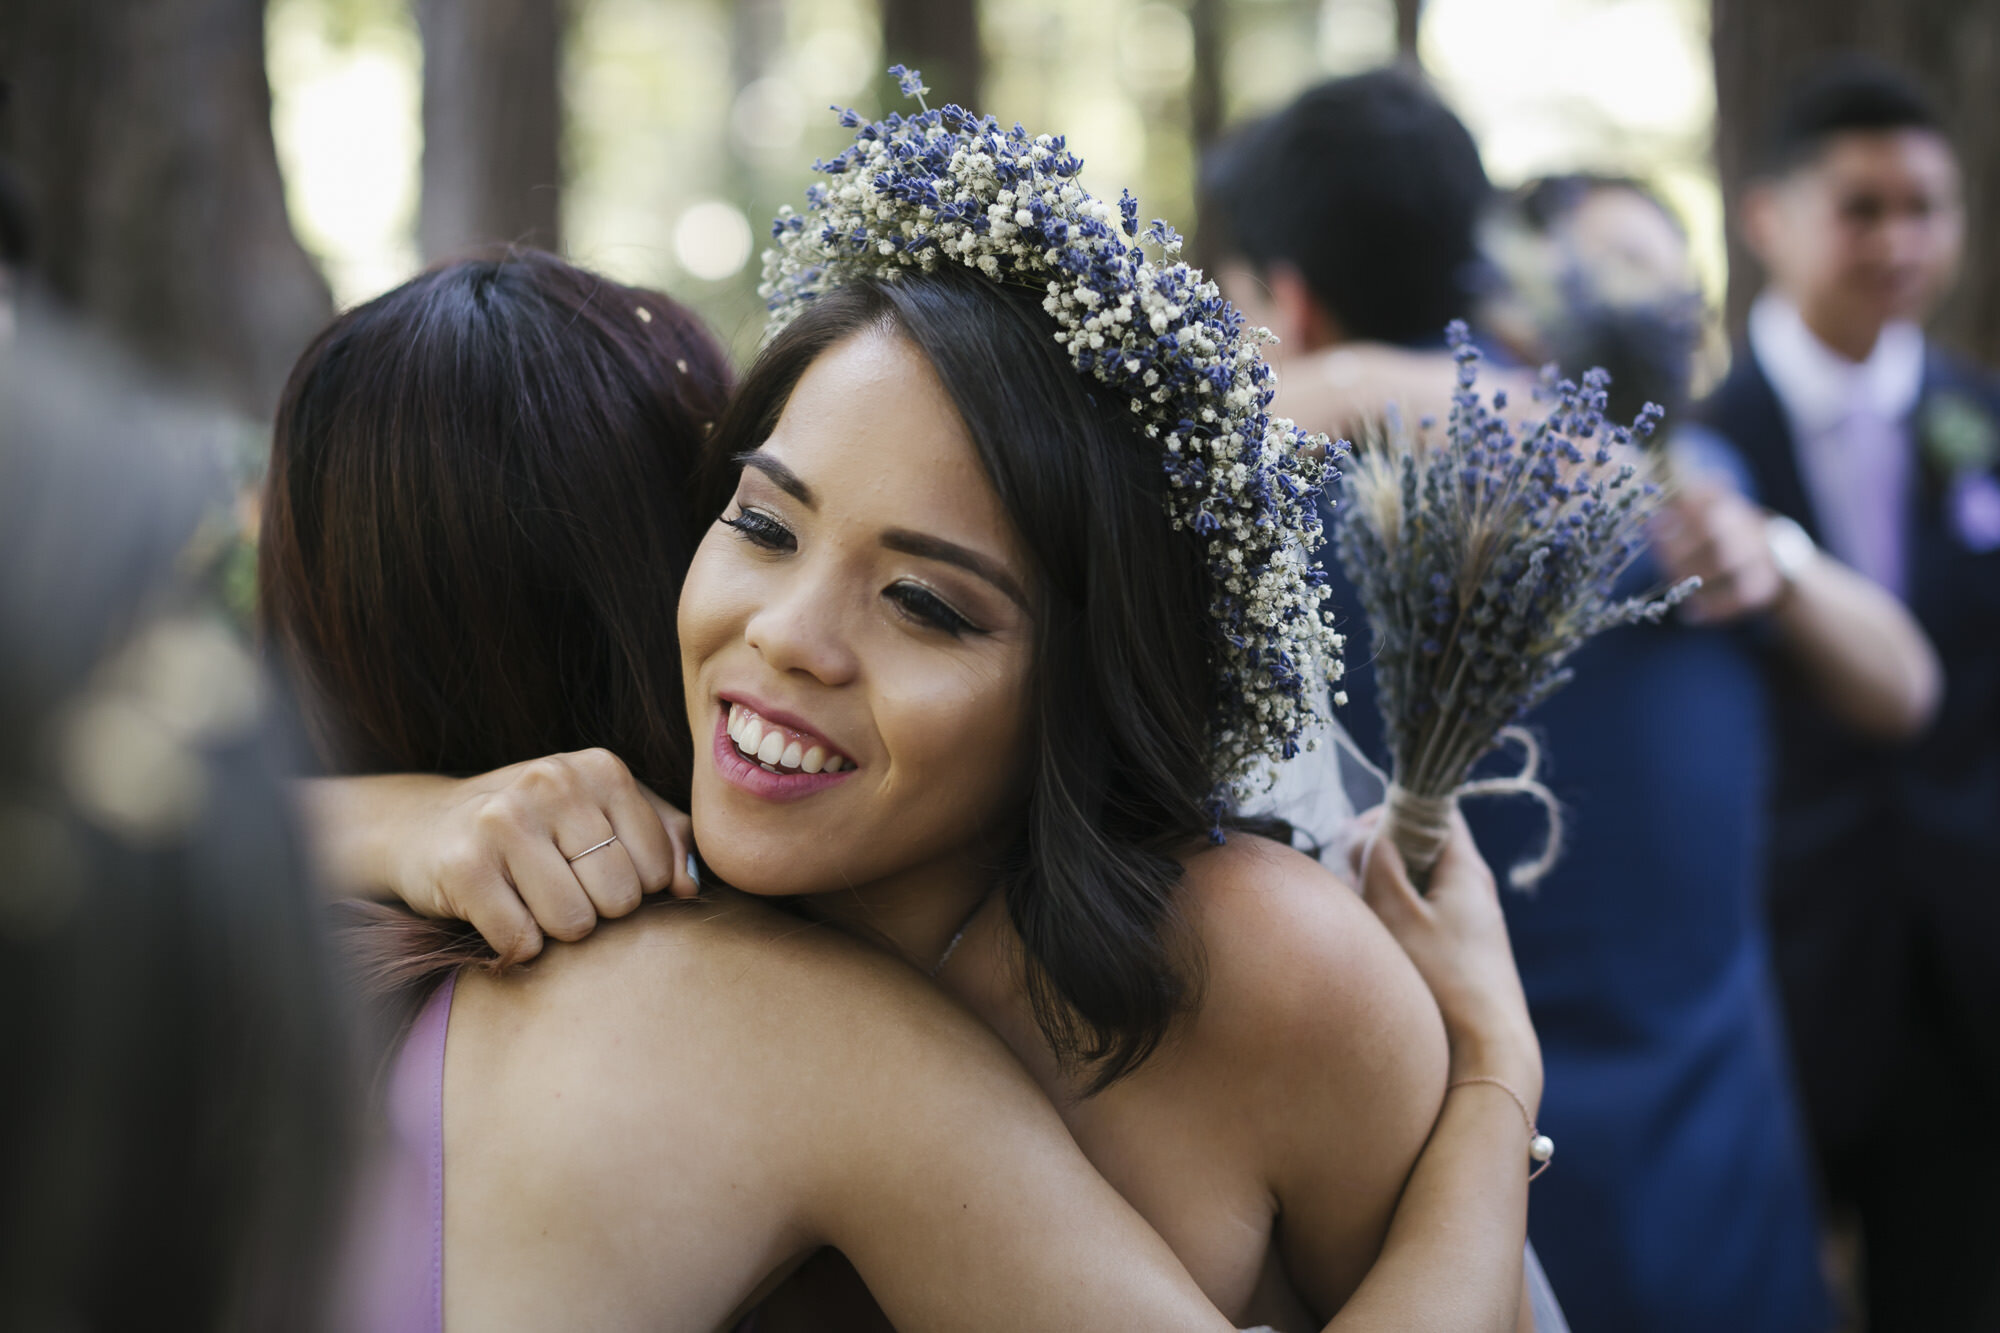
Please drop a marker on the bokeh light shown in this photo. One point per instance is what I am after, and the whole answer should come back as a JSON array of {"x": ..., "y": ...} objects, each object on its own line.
[{"x": 689, "y": 122}]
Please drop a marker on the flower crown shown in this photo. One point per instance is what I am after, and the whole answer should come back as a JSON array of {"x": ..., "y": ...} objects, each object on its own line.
[{"x": 942, "y": 186}]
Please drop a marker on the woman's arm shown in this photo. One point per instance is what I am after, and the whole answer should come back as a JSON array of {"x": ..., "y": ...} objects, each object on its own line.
[
  {"x": 494, "y": 850},
  {"x": 1402, "y": 1200},
  {"x": 1456, "y": 1242},
  {"x": 1858, "y": 647}
]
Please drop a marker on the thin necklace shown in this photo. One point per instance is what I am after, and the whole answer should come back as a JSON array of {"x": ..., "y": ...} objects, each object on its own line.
[{"x": 963, "y": 926}]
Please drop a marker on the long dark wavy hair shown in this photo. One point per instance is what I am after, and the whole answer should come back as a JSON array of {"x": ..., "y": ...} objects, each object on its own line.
[
  {"x": 478, "y": 516},
  {"x": 1126, "y": 657}
]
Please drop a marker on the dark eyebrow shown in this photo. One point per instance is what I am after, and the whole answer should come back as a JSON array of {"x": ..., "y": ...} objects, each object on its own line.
[
  {"x": 926, "y": 547},
  {"x": 786, "y": 480}
]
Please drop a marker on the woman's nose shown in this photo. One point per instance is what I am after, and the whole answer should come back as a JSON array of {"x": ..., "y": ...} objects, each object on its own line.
[{"x": 803, "y": 627}]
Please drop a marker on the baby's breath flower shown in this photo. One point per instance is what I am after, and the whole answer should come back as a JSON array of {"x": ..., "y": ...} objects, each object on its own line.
[{"x": 944, "y": 186}]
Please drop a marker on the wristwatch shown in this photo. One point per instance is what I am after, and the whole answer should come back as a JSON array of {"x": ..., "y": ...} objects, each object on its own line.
[{"x": 1791, "y": 548}]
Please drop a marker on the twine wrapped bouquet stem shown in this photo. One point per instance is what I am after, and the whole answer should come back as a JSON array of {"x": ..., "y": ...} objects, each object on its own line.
[{"x": 1484, "y": 558}]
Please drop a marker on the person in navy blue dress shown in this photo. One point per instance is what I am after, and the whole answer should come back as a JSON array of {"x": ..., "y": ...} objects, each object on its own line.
[
  {"x": 1885, "y": 857},
  {"x": 1680, "y": 1197}
]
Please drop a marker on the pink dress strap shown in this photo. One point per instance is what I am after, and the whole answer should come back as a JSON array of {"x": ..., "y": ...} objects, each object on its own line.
[{"x": 394, "y": 1273}]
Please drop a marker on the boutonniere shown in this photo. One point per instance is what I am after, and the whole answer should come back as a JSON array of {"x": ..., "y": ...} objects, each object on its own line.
[
  {"x": 1958, "y": 435},
  {"x": 1962, "y": 442}
]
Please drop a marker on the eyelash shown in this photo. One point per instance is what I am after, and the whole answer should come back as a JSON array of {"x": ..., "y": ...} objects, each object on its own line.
[
  {"x": 918, "y": 604},
  {"x": 927, "y": 608},
  {"x": 760, "y": 529}
]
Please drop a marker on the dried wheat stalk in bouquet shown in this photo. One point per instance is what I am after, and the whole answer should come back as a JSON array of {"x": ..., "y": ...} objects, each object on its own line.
[{"x": 1483, "y": 561}]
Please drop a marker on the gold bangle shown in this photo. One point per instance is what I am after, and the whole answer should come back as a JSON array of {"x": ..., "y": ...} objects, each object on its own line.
[{"x": 1541, "y": 1148}]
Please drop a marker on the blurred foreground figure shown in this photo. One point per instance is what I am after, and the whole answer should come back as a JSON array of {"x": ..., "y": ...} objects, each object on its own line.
[
  {"x": 1885, "y": 860},
  {"x": 1682, "y": 1199},
  {"x": 172, "y": 1132}
]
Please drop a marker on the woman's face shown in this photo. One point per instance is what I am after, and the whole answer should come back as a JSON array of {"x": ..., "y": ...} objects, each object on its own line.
[{"x": 856, "y": 632}]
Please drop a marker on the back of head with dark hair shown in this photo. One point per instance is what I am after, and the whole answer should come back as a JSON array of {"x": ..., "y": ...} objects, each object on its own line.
[
  {"x": 1372, "y": 189},
  {"x": 1845, "y": 94},
  {"x": 478, "y": 518},
  {"x": 174, "y": 1132},
  {"x": 1126, "y": 658}
]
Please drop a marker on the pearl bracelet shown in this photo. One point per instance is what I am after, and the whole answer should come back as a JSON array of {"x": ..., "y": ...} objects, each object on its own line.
[{"x": 1541, "y": 1147}]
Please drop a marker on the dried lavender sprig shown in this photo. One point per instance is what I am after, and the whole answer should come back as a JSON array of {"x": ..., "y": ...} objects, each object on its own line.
[{"x": 1484, "y": 558}]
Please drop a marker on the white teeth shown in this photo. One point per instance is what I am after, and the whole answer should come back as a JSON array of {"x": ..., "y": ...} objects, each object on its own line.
[{"x": 771, "y": 747}]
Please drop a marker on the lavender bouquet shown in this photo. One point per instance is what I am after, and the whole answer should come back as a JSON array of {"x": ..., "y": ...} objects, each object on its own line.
[{"x": 1483, "y": 561}]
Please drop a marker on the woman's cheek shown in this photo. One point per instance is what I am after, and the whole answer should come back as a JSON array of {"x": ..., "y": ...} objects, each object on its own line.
[
  {"x": 958, "y": 731},
  {"x": 707, "y": 595}
]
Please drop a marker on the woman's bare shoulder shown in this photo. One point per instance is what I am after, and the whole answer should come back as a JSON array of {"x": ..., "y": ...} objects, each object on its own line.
[
  {"x": 721, "y": 1077},
  {"x": 1318, "y": 1027},
  {"x": 1296, "y": 968}
]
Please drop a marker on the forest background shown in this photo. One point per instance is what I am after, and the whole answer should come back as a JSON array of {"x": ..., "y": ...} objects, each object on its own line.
[{"x": 210, "y": 179}]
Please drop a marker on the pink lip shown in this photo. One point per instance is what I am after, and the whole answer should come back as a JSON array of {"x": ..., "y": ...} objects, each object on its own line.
[{"x": 754, "y": 778}]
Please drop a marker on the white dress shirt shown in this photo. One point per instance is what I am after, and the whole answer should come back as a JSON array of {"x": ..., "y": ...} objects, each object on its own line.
[{"x": 1852, "y": 434}]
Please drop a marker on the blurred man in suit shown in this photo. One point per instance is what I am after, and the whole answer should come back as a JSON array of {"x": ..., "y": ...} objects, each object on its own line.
[{"x": 1885, "y": 858}]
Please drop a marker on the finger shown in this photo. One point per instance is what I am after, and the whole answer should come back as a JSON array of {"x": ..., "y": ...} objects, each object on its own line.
[
  {"x": 629, "y": 807},
  {"x": 1385, "y": 882},
  {"x": 680, "y": 837},
  {"x": 687, "y": 880},
  {"x": 504, "y": 922},
  {"x": 1363, "y": 828},
  {"x": 550, "y": 888},
  {"x": 473, "y": 887},
  {"x": 1459, "y": 863},
  {"x": 608, "y": 877}
]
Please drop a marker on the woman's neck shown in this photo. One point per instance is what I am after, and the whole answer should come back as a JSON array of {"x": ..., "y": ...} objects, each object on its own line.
[{"x": 917, "y": 913}]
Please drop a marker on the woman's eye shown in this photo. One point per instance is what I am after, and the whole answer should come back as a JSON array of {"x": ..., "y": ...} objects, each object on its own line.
[
  {"x": 760, "y": 529},
  {"x": 927, "y": 608}
]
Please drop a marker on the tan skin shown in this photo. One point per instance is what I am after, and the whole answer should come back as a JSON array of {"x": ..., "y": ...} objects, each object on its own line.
[
  {"x": 648, "y": 1132},
  {"x": 1270, "y": 1141}
]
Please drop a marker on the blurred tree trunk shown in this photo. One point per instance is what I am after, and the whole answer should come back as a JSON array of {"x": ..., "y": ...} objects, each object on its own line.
[
  {"x": 492, "y": 124},
  {"x": 1409, "y": 16},
  {"x": 1952, "y": 46},
  {"x": 1205, "y": 108},
  {"x": 142, "y": 133},
  {"x": 940, "y": 38}
]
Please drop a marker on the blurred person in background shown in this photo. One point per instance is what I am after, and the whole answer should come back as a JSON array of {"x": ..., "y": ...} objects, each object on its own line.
[
  {"x": 1686, "y": 1200},
  {"x": 1881, "y": 449},
  {"x": 173, "y": 1133}
]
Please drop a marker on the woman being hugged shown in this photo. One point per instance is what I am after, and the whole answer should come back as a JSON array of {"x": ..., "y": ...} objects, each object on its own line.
[
  {"x": 476, "y": 532},
  {"x": 972, "y": 657}
]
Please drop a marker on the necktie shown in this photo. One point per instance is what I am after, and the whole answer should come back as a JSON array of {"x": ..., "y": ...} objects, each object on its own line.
[{"x": 1866, "y": 479}]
